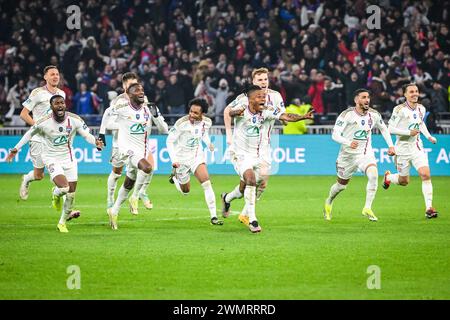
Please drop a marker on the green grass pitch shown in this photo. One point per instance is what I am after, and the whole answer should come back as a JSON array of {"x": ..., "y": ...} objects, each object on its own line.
[{"x": 172, "y": 252}]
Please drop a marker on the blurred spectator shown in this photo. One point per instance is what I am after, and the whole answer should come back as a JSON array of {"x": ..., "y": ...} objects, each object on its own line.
[
  {"x": 300, "y": 107},
  {"x": 439, "y": 98},
  {"x": 331, "y": 96},
  {"x": 85, "y": 101},
  {"x": 175, "y": 97},
  {"x": 220, "y": 97},
  {"x": 16, "y": 95},
  {"x": 315, "y": 91}
]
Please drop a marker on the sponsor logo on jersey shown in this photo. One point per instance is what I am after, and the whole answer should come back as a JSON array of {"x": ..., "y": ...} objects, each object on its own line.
[
  {"x": 137, "y": 128},
  {"x": 413, "y": 126},
  {"x": 252, "y": 131},
  {"x": 361, "y": 135},
  {"x": 60, "y": 140},
  {"x": 192, "y": 142}
]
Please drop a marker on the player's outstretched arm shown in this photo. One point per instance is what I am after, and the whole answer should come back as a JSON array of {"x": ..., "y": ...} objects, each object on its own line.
[
  {"x": 158, "y": 119},
  {"x": 25, "y": 116},
  {"x": 338, "y": 130},
  {"x": 26, "y": 137},
  {"x": 426, "y": 133},
  {"x": 292, "y": 117},
  {"x": 386, "y": 136},
  {"x": 393, "y": 125},
  {"x": 173, "y": 136},
  {"x": 236, "y": 111},
  {"x": 83, "y": 130},
  {"x": 227, "y": 122},
  {"x": 106, "y": 124}
]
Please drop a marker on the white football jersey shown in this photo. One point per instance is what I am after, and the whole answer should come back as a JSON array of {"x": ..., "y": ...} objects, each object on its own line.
[
  {"x": 133, "y": 127},
  {"x": 57, "y": 137},
  {"x": 109, "y": 119},
  {"x": 184, "y": 141},
  {"x": 248, "y": 131},
  {"x": 352, "y": 126},
  {"x": 39, "y": 103},
  {"x": 405, "y": 118},
  {"x": 274, "y": 103}
]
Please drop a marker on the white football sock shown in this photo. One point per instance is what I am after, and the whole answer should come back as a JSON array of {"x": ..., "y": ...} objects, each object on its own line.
[
  {"x": 67, "y": 207},
  {"x": 235, "y": 194},
  {"x": 29, "y": 177},
  {"x": 140, "y": 180},
  {"x": 121, "y": 197},
  {"x": 427, "y": 190},
  {"x": 250, "y": 196},
  {"x": 244, "y": 210},
  {"x": 334, "y": 191},
  {"x": 59, "y": 192},
  {"x": 372, "y": 186},
  {"x": 177, "y": 184},
  {"x": 210, "y": 198},
  {"x": 112, "y": 185},
  {"x": 392, "y": 178},
  {"x": 146, "y": 183}
]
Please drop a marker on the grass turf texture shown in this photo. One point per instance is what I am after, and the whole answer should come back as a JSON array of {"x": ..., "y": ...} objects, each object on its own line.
[{"x": 172, "y": 252}]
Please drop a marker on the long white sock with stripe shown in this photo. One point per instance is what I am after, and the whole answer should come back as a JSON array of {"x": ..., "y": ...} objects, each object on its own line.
[
  {"x": 29, "y": 177},
  {"x": 250, "y": 198},
  {"x": 427, "y": 190},
  {"x": 67, "y": 207},
  {"x": 121, "y": 197},
  {"x": 112, "y": 185},
  {"x": 372, "y": 186},
  {"x": 235, "y": 194},
  {"x": 210, "y": 198},
  {"x": 334, "y": 191}
]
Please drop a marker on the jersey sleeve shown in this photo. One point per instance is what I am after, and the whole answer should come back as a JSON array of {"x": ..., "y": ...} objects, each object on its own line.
[
  {"x": 338, "y": 130},
  {"x": 394, "y": 121},
  {"x": 35, "y": 129},
  {"x": 272, "y": 114},
  {"x": 32, "y": 100},
  {"x": 83, "y": 130},
  {"x": 172, "y": 137},
  {"x": 379, "y": 123}
]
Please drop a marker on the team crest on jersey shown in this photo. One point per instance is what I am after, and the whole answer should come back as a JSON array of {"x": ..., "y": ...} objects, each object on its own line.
[
  {"x": 138, "y": 116},
  {"x": 363, "y": 122},
  {"x": 61, "y": 129},
  {"x": 254, "y": 119},
  {"x": 415, "y": 116},
  {"x": 196, "y": 131}
]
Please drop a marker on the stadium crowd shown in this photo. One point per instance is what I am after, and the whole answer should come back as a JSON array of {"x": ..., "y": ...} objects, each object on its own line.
[{"x": 318, "y": 52}]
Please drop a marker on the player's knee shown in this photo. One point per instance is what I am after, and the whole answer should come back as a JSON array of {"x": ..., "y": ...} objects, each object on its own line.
[
  {"x": 185, "y": 189},
  {"x": 38, "y": 176},
  {"x": 128, "y": 184},
  {"x": 425, "y": 176},
  {"x": 250, "y": 181},
  {"x": 147, "y": 169}
]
